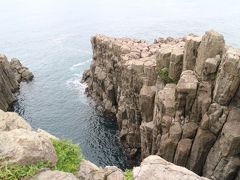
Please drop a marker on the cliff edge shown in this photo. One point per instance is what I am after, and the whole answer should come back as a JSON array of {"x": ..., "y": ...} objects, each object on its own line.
[
  {"x": 176, "y": 98},
  {"x": 11, "y": 74}
]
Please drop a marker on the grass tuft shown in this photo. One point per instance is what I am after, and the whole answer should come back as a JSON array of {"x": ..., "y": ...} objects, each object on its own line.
[
  {"x": 15, "y": 172},
  {"x": 163, "y": 74},
  {"x": 128, "y": 174},
  {"x": 69, "y": 155}
]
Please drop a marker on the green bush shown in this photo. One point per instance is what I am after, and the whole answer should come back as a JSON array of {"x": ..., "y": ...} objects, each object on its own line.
[
  {"x": 15, "y": 172},
  {"x": 163, "y": 74},
  {"x": 69, "y": 158},
  {"x": 128, "y": 175},
  {"x": 68, "y": 154}
]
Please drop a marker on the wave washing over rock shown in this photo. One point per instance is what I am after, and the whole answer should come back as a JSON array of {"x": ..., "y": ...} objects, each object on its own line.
[
  {"x": 11, "y": 74},
  {"x": 176, "y": 98}
]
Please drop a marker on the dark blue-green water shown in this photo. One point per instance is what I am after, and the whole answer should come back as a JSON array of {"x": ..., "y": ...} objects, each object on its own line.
[{"x": 52, "y": 38}]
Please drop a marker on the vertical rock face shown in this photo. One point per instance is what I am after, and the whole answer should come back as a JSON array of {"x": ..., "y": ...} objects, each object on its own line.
[
  {"x": 9, "y": 80},
  {"x": 177, "y": 98}
]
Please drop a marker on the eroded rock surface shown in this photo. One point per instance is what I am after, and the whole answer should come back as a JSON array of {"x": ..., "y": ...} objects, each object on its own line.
[
  {"x": 155, "y": 167},
  {"x": 11, "y": 74},
  {"x": 172, "y": 98}
]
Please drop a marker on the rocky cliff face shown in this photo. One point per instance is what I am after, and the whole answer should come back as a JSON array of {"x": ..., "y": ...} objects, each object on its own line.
[
  {"x": 11, "y": 74},
  {"x": 177, "y": 98}
]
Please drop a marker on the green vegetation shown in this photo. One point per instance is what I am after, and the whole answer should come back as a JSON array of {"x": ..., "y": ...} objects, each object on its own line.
[
  {"x": 128, "y": 175},
  {"x": 15, "y": 172},
  {"x": 68, "y": 154},
  {"x": 69, "y": 157},
  {"x": 163, "y": 74}
]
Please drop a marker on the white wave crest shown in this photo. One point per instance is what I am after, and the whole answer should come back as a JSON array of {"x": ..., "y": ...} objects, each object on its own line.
[{"x": 79, "y": 64}]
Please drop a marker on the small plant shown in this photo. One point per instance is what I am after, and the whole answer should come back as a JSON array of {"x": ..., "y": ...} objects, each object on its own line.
[
  {"x": 16, "y": 172},
  {"x": 68, "y": 154},
  {"x": 163, "y": 74},
  {"x": 128, "y": 175}
]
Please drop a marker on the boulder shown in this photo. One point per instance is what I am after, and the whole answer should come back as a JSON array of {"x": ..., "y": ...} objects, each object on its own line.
[
  {"x": 53, "y": 175},
  {"x": 21, "y": 146},
  {"x": 10, "y": 121},
  {"x": 156, "y": 168}
]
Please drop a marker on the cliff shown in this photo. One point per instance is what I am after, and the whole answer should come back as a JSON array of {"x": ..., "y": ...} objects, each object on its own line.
[
  {"x": 176, "y": 98},
  {"x": 37, "y": 155},
  {"x": 11, "y": 74}
]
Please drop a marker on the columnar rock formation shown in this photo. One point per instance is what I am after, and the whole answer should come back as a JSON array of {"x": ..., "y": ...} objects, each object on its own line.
[
  {"x": 11, "y": 74},
  {"x": 177, "y": 98}
]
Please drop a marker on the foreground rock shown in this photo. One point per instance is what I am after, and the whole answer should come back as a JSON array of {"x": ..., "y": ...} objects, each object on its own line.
[
  {"x": 11, "y": 74},
  {"x": 172, "y": 98},
  {"x": 155, "y": 167},
  {"x": 54, "y": 175}
]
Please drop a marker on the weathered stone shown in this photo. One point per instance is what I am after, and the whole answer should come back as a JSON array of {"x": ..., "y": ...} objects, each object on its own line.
[
  {"x": 54, "y": 175},
  {"x": 190, "y": 52},
  {"x": 10, "y": 121},
  {"x": 146, "y": 130},
  {"x": 182, "y": 152},
  {"x": 211, "y": 67},
  {"x": 212, "y": 44},
  {"x": 185, "y": 92},
  {"x": 189, "y": 130},
  {"x": 21, "y": 146},
  {"x": 21, "y": 73},
  {"x": 156, "y": 168},
  {"x": 228, "y": 79},
  {"x": 169, "y": 142},
  {"x": 223, "y": 160},
  {"x": 202, "y": 144},
  {"x": 163, "y": 57},
  {"x": 146, "y": 102},
  {"x": 86, "y": 170},
  {"x": 176, "y": 62}
]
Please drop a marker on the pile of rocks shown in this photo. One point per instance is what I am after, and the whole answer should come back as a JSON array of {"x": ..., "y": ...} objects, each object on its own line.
[
  {"x": 177, "y": 98},
  {"x": 11, "y": 74}
]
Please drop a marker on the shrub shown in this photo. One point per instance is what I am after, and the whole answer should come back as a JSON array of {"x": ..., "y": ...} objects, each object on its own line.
[
  {"x": 15, "y": 172},
  {"x": 68, "y": 154},
  {"x": 128, "y": 175},
  {"x": 163, "y": 74}
]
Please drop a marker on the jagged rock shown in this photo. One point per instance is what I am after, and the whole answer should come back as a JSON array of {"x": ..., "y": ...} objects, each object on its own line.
[
  {"x": 146, "y": 131},
  {"x": 146, "y": 102},
  {"x": 190, "y": 52},
  {"x": 8, "y": 84},
  {"x": 169, "y": 142},
  {"x": 202, "y": 144},
  {"x": 10, "y": 121},
  {"x": 21, "y": 146},
  {"x": 228, "y": 79},
  {"x": 176, "y": 62},
  {"x": 186, "y": 90},
  {"x": 189, "y": 130},
  {"x": 156, "y": 168},
  {"x": 202, "y": 101},
  {"x": 89, "y": 171},
  {"x": 212, "y": 44},
  {"x": 21, "y": 73},
  {"x": 223, "y": 159},
  {"x": 54, "y": 175},
  {"x": 159, "y": 121},
  {"x": 182, "y": 152}
]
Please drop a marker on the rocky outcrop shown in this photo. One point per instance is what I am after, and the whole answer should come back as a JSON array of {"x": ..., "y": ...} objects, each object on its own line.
[
  {"x": 172, "y": 98},
  {"x": 19, "y": 144},
  {"x": 155, "y": 167},
  {"x": 54, "y": 175},
  {"x": 11, "y": 74}
]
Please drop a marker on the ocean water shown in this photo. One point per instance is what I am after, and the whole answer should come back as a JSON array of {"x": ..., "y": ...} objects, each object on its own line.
[{"x": 52, "y": 38}]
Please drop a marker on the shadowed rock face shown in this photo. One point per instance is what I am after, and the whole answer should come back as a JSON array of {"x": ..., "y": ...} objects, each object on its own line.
[
  {"x": 178, "y": 98},
  {"x": 11, "y": 74}
]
